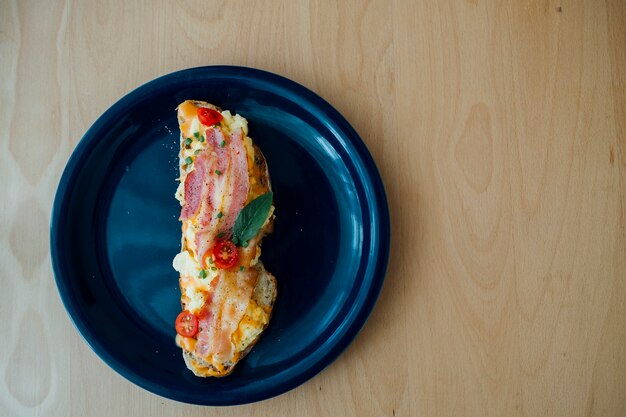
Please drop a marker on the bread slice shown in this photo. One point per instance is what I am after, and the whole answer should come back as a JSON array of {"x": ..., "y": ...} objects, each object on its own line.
[{"x": 265, "y": 291}]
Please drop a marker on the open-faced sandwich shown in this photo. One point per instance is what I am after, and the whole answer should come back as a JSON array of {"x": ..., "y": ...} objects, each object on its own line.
[{"x": 227, "y": 295}]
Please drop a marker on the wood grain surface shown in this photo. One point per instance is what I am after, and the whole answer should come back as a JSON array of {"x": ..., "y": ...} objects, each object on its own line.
[{"x": 499, "y": 128}]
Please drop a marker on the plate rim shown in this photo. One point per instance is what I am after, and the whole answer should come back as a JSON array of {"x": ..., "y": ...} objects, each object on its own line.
[{"x": 347, "y": 132}]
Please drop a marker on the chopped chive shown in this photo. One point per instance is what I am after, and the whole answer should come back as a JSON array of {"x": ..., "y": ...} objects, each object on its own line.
[
  {"x": 221, "y": 235},
  {"x": 213, "y": 268},
  {"x": 241, "y": 268},
  {"x": 188, "y": 141},
  {"x": 245, "y": 244},
  {"x": 218, "y": 172},
  {"x": 188, "y": 160},
  {"x": 201, "y": 138},
  {"x": 196, "y": 152},
  {"x": 196, "y": 134},
  {"x": 219, "y": 215},
  {"x": 210, "y": 260},
  {"x": 222, "y": 144},
  {"x": 202, "y": 273}
]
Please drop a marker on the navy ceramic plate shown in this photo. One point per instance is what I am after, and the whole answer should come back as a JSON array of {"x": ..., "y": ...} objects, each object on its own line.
[{"x": 115, "y": 231}]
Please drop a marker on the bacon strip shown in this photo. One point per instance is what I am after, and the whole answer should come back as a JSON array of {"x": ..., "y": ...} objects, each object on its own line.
[
  {"x": 240, "y": 182},
  {"x": 224, "y": 193},
  {"x": 215, "y": 189},
  {"x": 194, "y": 188},
  {"x": 222, "y": 313}
]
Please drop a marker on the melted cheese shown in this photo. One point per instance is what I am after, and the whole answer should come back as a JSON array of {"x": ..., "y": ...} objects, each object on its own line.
[
  {"x": 187, "y": 111},
  {"x": 187, "y": 343}
]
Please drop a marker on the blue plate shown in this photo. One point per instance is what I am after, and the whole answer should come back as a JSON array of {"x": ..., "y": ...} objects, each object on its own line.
[{"x": 115, "y": 230}]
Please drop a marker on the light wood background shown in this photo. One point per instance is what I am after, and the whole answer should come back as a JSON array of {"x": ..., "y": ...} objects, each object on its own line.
[{"x": 500, "y": 131}]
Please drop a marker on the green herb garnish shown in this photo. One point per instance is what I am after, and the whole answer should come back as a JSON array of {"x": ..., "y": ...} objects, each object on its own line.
[
  {"x": 196, "y": 152},
  {"x": 201, "y": 138},
  {"x": 222, "y": 144},
  {"x": 251, "y": 218},
  {"x": 219, "y": 215},
  {"x": 196, "y": 134},
  {"x": 241, "y": 268},
  {"x": 213, "y": 268},
  {"x": 221, "y": 235},
  {"x": 218, "y": 172},
  {"x": 202, "y": 273},
  {"x": 188, "y": 160},
  {"x": 188, "y": 141}
]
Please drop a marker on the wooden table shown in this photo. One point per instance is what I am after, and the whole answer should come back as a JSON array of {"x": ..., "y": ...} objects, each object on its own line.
[{"x": 499, "y": 129}]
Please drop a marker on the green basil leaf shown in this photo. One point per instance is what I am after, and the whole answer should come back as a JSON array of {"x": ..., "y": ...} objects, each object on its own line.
[{"x": 252, "y": 217}]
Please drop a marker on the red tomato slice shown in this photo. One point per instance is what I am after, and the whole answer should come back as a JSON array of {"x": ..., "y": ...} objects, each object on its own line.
[
  {"x": 209, "y": 117},
  {"x": 225, "y": 254},
  {"x": 186, "y": 324}
]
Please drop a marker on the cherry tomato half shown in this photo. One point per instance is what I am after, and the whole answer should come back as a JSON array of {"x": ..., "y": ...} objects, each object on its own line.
[
  {"x": 225, "y": 254},
  {"x": 209, "y": 117},
  {"x": 186, "y": 324}
]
